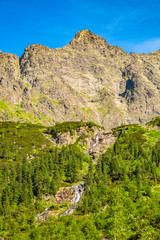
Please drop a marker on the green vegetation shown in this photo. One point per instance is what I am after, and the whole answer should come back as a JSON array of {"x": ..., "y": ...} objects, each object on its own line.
[
  {"x": 3, "y": 105},
  {"x": 69, "y": 127},
  {"x": 122, "y": 191},
  {"x": 55, "y": 102},
  {"x": 19, "y": 141},
  {"x": 123, "y": 187},
  {"x": 154, "y": 122},
  {"x": 29, "y": 168},
  {"x": 8, "y": 111},
  {"x": 152, "y": 136},
  {"x": 27, "y": 84}
]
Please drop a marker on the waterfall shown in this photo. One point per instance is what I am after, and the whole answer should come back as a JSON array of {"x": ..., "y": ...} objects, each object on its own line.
[
  {"x": 43, "y": 214},
  {"x": 97, "y": 141},
  {"x": 79, "y": 190}
]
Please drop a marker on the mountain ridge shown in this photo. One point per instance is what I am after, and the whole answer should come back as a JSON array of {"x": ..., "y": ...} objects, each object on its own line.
[{"x": 86, "y": 80}]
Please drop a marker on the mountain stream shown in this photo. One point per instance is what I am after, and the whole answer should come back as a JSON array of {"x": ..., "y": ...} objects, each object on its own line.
[{"x": 78, "y": 192}]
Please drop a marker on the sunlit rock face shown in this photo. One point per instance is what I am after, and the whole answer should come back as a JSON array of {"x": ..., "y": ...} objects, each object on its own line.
[{"x": 86, "y": 80}]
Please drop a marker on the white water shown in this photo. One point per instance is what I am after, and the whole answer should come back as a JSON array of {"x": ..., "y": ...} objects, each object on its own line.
[
  {"x": 43, "y": 214},
  {"x": 79, "y": 190},
  {"x": 97, "y": 141}
]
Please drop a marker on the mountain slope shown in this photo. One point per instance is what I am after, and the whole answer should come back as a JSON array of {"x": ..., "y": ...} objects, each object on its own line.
[
  {"x": 120, "y": 193},
  {"x": 86, "y": 80}
]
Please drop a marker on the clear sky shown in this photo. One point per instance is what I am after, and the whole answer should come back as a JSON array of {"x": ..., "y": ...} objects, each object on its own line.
[{"x": 132, "y": 25}]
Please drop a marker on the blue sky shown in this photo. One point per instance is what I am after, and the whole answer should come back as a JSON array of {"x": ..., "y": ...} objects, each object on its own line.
[{"x": 132, "y": 25}]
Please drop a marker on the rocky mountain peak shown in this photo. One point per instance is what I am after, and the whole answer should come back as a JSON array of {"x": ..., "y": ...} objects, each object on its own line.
[
  {"x": 86, "y": 80},
  {"x": 85, "y": 34},
  {"x": 86, "y": 39}
]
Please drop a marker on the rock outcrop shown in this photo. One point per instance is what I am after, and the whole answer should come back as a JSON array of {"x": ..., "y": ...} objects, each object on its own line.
[
  {"x": 86, "y": 80},
  {"x": 94, "y": 140}
]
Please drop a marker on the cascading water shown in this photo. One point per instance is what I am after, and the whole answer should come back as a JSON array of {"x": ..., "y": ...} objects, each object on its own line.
[
  {"x": 79, "y": 190},
  {"x": 96, "y": 140}
]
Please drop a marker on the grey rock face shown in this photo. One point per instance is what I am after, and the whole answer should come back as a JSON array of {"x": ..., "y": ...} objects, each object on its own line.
[{"x": 86, "y": 80}]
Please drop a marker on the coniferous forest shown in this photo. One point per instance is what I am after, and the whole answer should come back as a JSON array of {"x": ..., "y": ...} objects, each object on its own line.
[{"x": 121, "y": 198}]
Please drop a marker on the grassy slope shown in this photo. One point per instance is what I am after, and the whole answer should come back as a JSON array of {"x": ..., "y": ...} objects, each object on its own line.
[{"x": 22, "y": 140}]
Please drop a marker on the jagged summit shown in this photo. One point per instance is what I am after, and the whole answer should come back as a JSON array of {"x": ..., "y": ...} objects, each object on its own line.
[
  {"x": 85, "y": 38},
  {"x": 84, "y": 33},
  {"x": 86, "y": 80},
  {"x": 87, "y": 35}
]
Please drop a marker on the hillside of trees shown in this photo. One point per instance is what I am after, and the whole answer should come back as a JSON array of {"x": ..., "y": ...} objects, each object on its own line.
[{"x": 122, "y": 191}]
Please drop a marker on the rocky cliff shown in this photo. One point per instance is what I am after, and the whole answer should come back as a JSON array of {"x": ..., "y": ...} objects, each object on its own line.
[{"x": 86, "y": 80}]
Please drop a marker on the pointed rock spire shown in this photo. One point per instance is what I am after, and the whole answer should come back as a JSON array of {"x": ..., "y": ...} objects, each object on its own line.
[{"x": 85, "y": 39}]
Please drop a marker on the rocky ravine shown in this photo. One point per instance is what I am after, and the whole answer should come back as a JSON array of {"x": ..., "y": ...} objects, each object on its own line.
[
  {"x": 88, "y": 79},
  {"x": 94, "y": 141}
]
